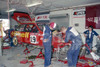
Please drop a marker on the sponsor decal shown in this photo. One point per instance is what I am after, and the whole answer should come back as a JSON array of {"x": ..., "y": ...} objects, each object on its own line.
[
  {"x": 42, "y": 17},
  {"x": 20, "y": 34},
  {"x": 79, "y": 12}
]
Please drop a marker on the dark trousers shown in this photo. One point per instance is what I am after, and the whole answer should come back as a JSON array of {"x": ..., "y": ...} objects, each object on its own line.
[
  {"x": 90, "y": 46},
  {"x": 47, "y": 48},
  {"x": 72, "y": 56}
]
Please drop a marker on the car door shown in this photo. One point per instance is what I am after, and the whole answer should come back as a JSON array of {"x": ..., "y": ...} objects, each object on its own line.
[{"x": 35, "y": 36}]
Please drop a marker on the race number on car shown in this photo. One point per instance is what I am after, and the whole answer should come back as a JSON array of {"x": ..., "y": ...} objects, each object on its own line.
[{"x": 33, "y": 39}]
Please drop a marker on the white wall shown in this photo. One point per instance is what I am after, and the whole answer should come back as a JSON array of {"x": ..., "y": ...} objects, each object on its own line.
[
  {"x": 61, "y": 21},
  {"x": 63, "y": 12},
  {"x": 80, "y": 20},
  {"x": 13, "y": 23}
]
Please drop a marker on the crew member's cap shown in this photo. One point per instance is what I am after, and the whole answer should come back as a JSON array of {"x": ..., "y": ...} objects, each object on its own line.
[{"x": 53, "y": 25}]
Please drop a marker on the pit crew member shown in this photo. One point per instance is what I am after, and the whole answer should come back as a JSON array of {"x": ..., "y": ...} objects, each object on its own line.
[
  {"x": 47, "y": 40},
  {"x": 73, "y": 52},
  {"x": 89, "y": 34}
]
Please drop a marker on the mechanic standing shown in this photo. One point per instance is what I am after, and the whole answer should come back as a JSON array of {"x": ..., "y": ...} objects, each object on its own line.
[
  {"x": 73, "y": 52},
  {"x": 89, "y": 34},
  {"x": 47, "y": 41}
]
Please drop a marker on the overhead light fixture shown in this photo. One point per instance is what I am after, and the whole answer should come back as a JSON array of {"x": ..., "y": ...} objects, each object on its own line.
[
  {"x": 33, "y": 4},
  {"x": 11, "y": 10}
]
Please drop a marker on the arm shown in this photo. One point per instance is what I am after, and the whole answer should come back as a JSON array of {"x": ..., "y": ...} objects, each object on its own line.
[
  {"x": 85, "y": 34},
  {"x": 45, "y": 35},
  {"x": 96, "y": 34},
  {"x": 67, "y": 38}
]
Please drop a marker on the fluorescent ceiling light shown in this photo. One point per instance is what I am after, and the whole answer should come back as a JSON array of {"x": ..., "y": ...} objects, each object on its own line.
[
  {"x": 34, "y": 4},
  {"x": 11, "y": 10}
]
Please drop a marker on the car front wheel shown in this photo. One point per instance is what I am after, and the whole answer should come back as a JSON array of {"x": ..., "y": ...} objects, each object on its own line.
[{"x": 15, "y": 41}]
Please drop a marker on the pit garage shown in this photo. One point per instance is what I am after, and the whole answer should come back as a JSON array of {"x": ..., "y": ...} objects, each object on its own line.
[{"x": 49, "y": 33}]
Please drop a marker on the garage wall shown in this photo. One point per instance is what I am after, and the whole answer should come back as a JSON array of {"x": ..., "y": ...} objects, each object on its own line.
[
  {"x": 61, "y": 20},
  {"x": 62, "y": 17},
  {"x": 13, "y": 23}
]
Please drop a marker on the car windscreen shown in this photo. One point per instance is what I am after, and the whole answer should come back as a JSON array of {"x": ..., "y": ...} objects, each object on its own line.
[
  {"x": 31, "y": 28},
  {"x": 19, "y": 27}
]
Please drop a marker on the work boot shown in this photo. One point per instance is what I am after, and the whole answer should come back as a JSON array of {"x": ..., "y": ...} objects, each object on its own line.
[
  {"x": 53, "y": 59},
  {"x": 50, "y": 66}
]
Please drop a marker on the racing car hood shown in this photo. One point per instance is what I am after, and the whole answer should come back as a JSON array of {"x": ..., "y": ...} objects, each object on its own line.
[{"x": 21, "y": 17}]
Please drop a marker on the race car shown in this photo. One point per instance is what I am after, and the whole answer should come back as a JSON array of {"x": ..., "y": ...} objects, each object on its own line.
[{"x": 30, "y": 33}]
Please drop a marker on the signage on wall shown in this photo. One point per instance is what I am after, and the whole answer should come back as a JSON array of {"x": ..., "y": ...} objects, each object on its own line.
[
  {"x": 93, "y": 16},
  {"x": 79, "y": 12},
  {"x": 43, "y": 17}
]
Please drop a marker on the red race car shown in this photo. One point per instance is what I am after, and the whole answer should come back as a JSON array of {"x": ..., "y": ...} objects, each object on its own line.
[{"x": 30, "y": 33}]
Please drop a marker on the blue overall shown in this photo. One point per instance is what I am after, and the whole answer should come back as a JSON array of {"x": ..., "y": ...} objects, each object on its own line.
[
  {"x": 73, "y": 52},
  {"x": 47, "y": 45},
  {"x": 89, "y": 40}
]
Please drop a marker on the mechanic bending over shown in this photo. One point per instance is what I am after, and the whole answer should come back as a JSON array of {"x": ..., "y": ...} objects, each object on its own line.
[
  {"x": 74, "y": 49},
  {"x": 47, "y": 41},
  {"x": 89, "y": 34}
]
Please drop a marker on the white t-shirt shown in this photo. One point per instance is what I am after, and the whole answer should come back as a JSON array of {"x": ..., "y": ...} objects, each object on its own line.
[{"x": 90, "y": 33}]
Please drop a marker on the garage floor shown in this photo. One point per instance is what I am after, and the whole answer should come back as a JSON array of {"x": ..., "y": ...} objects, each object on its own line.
[{"x": 12, "y": 57}]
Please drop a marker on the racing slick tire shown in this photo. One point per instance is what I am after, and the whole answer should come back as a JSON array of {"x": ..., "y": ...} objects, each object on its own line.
[{"x": 15, "y": 41}]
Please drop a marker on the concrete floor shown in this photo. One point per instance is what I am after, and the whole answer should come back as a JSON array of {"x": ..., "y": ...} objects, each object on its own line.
[{"x": 12, "y": 57}]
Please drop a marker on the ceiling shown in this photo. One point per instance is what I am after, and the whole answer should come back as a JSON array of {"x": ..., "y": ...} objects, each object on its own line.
[{"x": 47, "y": 5}]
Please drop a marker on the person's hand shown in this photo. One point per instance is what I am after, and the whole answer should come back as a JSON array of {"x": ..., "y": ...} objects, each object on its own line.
[
  {"x": 63, "y": 41},
  {"x": 69, "y": 45},
  {"x": 99, "y": 37},
  {"x": 59, "y": 41},
  {"x": 45, "y": 40},
  {"x": 70, "y": 41},
  {"x": 85, "y": 35}
]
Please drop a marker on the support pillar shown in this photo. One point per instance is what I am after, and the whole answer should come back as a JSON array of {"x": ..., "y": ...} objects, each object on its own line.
[{"x": 1, "y": 34}]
